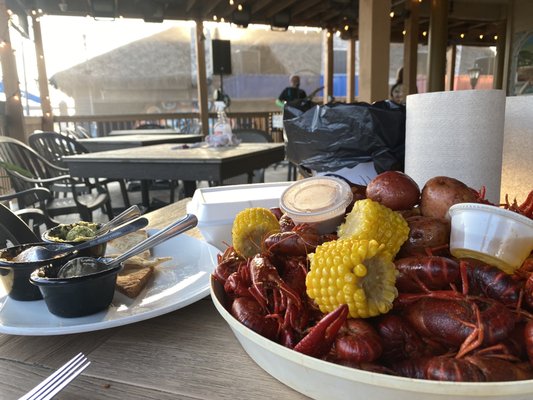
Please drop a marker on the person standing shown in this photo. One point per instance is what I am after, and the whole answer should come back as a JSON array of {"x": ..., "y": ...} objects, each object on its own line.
[{"x": 292, "y": 92}]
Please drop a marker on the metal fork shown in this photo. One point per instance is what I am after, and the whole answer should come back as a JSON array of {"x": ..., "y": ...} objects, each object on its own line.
[{"x": 52, "y": 385}]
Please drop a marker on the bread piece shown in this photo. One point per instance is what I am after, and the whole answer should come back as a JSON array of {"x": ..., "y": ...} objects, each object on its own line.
[
  {"x": 126, "y": 242},
  {"x": 133, "y": 278},
  {"x": 136, "y": 274}
]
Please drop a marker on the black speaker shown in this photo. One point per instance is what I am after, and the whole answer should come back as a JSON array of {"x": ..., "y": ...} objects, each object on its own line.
[{"x": 221, "y": 57}]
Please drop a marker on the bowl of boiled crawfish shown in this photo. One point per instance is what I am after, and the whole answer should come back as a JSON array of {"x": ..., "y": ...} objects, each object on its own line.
[{"x": 379, "y": 307}]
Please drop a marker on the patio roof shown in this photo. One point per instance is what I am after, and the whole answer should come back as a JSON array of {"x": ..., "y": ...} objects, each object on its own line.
[{"x": 476, "y": 20}]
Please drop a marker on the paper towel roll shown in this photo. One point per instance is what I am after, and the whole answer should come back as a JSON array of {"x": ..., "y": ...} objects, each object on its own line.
[
  {"x": 457, "y": 134},
  {"x": 517, "y": 169}
]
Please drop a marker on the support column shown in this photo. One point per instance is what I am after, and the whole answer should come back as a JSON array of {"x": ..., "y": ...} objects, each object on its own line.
[
  {"x": 46, "y": 107},
  {"x": 328, "y": 67},
  {"x": 509, "y": 28},
  {"x": 350, "y": 71},
  {"x": 497, "y": 83},
  {"x": 374, "y": 44},
  {"x": 201, "y": 78},
  {"x": 410, "y": 47},
  {"x": 451, "y": 53},
  {"x": 14, "y": 113},
  {"x": 438, "y": 39}
]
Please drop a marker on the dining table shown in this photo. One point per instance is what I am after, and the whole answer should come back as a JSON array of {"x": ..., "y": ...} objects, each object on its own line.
[
  {"x": 156, "y": 131},
  {"x": 189, "y": 353},
  {"x": 186, "y": 162},
  {"x": 105, "y": 143}
]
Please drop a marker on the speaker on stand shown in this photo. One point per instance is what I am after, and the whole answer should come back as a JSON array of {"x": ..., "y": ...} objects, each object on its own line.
[{"x": 222, "y": 66}]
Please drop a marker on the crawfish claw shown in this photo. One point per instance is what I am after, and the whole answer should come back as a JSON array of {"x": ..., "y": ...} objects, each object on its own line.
[{"x": 317, "y": 343}]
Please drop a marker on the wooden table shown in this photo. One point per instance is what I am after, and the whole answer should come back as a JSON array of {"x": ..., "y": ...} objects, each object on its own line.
[
  {"x": 106, "y": 143},
  {"x": 169, "y": 161},
  {"x": 162, "y": 131},
  {"x": 187, "y": 354}
]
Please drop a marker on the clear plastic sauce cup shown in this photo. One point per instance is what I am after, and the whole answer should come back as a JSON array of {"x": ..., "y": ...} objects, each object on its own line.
[{"x": 320, "y": 201}]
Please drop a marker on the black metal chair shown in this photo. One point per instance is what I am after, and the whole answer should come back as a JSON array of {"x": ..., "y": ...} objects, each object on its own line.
[
  {"x": 13, "y": 230},
  {"x": 28, "y": 170},
  {"x": 54, "y": 146},
  {"x": 35, "y": 218}
]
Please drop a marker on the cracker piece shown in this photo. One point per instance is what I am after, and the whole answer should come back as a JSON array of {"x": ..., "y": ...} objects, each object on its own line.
[{"x": 133, "y": 279}]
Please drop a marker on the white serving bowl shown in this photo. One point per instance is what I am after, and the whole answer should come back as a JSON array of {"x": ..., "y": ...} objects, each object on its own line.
[
  {"x": 319, "y": 379},
  {"x": 490, "y": 234}
]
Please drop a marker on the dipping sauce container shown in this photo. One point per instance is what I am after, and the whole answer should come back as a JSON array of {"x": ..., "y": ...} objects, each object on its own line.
[{"x": 320, "y": 201}]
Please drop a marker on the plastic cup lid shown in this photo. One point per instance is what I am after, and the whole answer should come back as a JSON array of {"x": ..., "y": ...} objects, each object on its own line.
[{"x": 315, "y": 199}]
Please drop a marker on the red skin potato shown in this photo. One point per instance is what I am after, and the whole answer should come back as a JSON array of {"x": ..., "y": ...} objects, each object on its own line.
[
  {"x": 425, "y": 233},
  {"x": 442, "y": 192},
  {"x": 394, "y": 189}
]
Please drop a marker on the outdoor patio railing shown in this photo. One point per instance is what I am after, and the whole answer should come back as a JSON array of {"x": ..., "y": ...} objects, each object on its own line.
[{"x": 101, "y": 125}]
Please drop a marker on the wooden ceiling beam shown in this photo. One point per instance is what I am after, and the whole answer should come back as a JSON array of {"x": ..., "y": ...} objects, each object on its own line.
[
  {"x": 303, "y": 6},
  {"x": 259, "y": 5},
  {"x": 280, "y": 6},
  {"x": 189, "y": 6},
  {"x": 310, "y": 13},
  {"x": 210, "y": 6}
]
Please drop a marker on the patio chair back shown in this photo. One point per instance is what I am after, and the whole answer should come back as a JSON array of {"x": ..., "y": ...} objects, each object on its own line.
[
  {"x": 13, "y": 230},
  {"x": 54, "y": 146},
  {"x": 28, "y": 170},
  {"x": 253, "y": 136}
]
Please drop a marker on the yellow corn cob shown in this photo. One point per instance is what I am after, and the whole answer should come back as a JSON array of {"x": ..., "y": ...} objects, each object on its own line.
[
  {"x": 359, "y": 273},
  {"x": 371, "y": 220},
  {"x": 250, "y": 227}
]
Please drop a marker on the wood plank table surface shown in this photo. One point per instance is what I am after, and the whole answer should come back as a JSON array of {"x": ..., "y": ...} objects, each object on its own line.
[
  {"x": 190, "y": 354},
  {"x": 139, "y": 139},
  {"x": 173, "y": 162}
]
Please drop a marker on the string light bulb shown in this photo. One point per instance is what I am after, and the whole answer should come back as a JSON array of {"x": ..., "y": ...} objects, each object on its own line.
[
  {"x": 495, "y": 37},
  {"x": 404, "y": 32},
  {"x": 215, "y": 18},
  {"x": 392, "y": 14},
  {"x": 481, "y": 37},
  {"x": 346, "y": 27},
  {"x": 239, "y": 7},
  {"x": 424, "y": 33},
  {"x": 231, "y": 2},
  {"x": 462, "y": 35}
]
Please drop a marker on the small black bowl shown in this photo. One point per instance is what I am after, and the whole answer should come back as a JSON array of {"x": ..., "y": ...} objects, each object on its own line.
[
  {"x": 15, "y": 276},
  {"x": 55, "y": 234},
  {"x": 77, "y": 296}
]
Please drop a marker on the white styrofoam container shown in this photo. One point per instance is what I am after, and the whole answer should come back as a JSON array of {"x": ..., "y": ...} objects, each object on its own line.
[{"x": 216, "y": 207}]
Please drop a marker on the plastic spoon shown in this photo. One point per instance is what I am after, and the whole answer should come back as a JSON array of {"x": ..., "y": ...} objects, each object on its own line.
[
  {"x": 39, "y": 253},
  {"x": 82, "y": 266}
]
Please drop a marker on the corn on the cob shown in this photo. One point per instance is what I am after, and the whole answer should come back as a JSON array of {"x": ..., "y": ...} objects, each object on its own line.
[
  {"x": 250, "y": 227},
  {"x": 371, "y": 220},
  {"x": 359, "y": 273}
]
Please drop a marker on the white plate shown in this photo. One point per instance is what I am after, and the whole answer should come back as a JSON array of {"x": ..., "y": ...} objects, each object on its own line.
[
  {"x": 319, "y": 379},
  {"x": 176, "y": 284}
]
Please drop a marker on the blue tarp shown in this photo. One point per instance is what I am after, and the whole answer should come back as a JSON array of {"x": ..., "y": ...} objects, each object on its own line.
[{"x": 23, "y": 93}]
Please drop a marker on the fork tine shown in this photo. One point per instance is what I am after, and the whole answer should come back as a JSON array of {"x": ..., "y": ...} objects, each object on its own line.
[
  {"x": 64, "y": 370},
  {"x": 62, "y": 383}
]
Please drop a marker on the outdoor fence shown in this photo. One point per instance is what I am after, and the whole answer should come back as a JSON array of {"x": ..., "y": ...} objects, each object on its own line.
[{"x": 101, "y": 125}]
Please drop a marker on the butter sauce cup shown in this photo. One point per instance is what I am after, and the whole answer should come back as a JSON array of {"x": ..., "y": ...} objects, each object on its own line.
[{"x": 493, "y": 235}]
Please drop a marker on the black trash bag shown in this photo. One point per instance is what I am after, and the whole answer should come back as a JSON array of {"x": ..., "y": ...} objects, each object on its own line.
[{"x": 326, "y": 138}]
